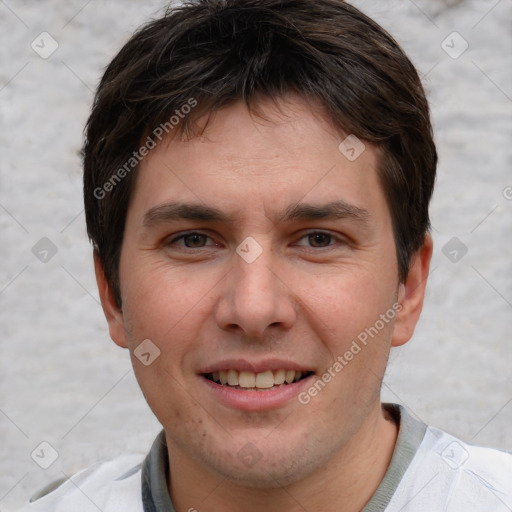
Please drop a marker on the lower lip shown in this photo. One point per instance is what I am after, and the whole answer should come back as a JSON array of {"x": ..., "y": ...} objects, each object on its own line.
[{"x": 252, "y": 400}]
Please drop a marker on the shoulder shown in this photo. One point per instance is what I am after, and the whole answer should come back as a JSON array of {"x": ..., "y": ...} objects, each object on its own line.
[
  {"x": 108, "y": 486},
  {"x": 457, "y": 476}
]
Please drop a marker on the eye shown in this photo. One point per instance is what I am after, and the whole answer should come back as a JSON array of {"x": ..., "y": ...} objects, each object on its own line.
[
  {"x": 191, "y": 240},
  {"x": 318, "y": 239}
]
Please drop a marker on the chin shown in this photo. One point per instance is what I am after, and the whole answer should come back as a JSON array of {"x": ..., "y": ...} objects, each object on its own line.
[
  {"x": 266, "y": 478},
  {"x": 272, "y": 469}
]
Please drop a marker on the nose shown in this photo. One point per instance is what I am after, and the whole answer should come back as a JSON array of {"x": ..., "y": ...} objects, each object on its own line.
[{"x": 256, "y": 299}]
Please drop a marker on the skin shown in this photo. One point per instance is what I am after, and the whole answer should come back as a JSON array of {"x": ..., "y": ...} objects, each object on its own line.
[{"x": 303, "y": 299}]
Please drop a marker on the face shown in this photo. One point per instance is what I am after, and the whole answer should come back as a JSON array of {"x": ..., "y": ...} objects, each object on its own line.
[{"x": 258, "y": 253}]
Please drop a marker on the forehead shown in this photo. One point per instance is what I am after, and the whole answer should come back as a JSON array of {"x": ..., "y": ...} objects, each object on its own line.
[{"x": 281, "y": 156}]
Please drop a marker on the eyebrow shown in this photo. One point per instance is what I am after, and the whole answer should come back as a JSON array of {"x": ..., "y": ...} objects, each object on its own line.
[
  {"x": 172, "y": 211},
  {"x": 168, "y": 212},
  {"x": 334, "y": 210}
]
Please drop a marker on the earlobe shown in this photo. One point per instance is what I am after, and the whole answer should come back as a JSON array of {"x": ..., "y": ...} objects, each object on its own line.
[
  {"x": 411, "y": 294},
  {"x": 112, "y": 312}
]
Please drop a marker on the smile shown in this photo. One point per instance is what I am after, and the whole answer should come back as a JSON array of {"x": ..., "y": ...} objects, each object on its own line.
[{"x": 256, "y": 381}]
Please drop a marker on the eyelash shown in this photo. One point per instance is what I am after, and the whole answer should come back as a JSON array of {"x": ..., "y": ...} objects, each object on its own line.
[{"x": 309, "y": 233}]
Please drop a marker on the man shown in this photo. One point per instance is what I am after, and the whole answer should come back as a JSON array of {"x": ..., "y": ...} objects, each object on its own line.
[{"x": 257, "y": 177}]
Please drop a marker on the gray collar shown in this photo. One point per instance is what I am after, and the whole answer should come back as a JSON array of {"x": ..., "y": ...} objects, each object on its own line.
[{"x": 410, "y": 435}]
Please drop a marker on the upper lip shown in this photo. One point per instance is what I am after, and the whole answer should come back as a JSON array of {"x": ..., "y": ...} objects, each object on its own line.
[{"x": 254, "y": 366}]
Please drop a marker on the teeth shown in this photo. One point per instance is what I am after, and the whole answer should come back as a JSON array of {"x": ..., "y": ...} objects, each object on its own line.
[
  {"x": 246, "y": 379},
  {"x": 279, "y": 377},
  {"x": 233, "y": 378},
  {"x": 265, "y": 379},
  {"x": 262, "y": 380}
]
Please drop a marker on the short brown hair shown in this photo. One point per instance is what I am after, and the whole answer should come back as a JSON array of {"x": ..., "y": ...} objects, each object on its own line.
[{"x": 215, "y": 52}]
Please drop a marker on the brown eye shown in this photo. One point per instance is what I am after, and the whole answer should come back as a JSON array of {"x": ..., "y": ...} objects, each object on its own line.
[
  {"x": 190, "y": 240},
  {"x": 194, "y": 240},
  {"x": 319, "y": 239}
]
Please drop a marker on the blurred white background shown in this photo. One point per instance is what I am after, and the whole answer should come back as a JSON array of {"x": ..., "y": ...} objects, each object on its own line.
[{"x": 61, "y": 378}]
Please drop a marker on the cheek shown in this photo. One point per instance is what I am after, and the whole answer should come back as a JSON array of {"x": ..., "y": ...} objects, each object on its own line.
[
  {"x": 347, "y": 303},
  {"x": 354, "y": 321},
  {"x": 169, "y": 309},
  {"x": 158, "y": 300},
  {"x": 345, "y": 314}
]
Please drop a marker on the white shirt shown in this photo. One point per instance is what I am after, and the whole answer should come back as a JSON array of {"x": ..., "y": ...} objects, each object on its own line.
[{"x": 430, "y": 471}]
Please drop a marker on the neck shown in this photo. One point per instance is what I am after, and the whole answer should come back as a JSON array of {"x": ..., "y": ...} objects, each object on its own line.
[{"x": 350, "y": 477}]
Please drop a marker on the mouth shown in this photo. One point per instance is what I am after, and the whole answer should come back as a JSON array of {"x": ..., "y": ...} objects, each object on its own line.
[{"x": 262, "y": 381}]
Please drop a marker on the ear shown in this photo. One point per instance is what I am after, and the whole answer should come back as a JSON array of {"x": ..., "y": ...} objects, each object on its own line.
[
  {"x": 113, "y": 314},
  {"x": 411, "y": 294}
]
